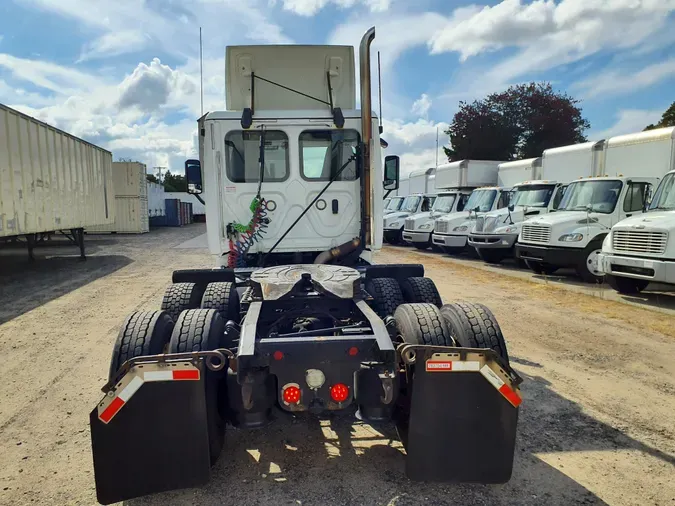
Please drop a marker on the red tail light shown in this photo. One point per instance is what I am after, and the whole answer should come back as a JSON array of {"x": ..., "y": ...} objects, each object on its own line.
[
  {"x": 339, "y": 392},
  {"x": 291, "y": 394}
]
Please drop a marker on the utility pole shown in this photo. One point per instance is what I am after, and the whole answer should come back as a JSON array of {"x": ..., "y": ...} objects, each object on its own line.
[
  {"x": 159, "y": 173},
  {"x": 437, "y": 147}
]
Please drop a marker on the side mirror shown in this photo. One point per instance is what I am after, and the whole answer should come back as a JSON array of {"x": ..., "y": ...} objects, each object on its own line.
[
  {"x": 511, "y": 207},
  {"x": 391, "y": 172},
  {"x": 193, "y": 176}
]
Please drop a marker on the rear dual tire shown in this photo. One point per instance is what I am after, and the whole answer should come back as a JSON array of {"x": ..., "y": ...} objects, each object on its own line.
[{"x": 388, "y": 294}]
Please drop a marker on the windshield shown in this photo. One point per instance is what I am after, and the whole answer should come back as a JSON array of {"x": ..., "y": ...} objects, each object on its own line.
[
  {"x": 444, "y": 203},
  {"x": 598, "y": 196},
  {"x": 665, "y": 194},
  {"x": 410, "y": 204},
  {"x": 394, "y": 204},
  {"x": 481, "y": 199},
  {"x": 533, "y": 195}
]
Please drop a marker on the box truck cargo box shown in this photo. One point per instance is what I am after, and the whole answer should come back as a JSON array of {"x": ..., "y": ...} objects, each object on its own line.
[
  {"x": 49, "y": 179},
  {"x": 466, "y": 174}
]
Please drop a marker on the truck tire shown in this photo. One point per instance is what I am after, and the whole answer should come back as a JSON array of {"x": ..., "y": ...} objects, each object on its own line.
[
  {"x": 540, "y": 267},
  {"x": 387, "y": 295},
  {"x": 421, "y": 290},
  {"x": 626, "y": 286},
  {"x": 224, "y": 298},
  {"x": 491, "y": 256},
  {"x": 587, "y": 268},
  {"x": 422, "y": 324},
  {"x": 143, "y": 333},
  {"x": 474, "y": 326},
  {"x": 181, "y": 296},
  {"x": 396, "y": 239},
  {"x": 202, "y": 330}
]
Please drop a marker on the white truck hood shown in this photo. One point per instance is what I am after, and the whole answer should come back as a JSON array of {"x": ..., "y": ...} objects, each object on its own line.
[
  {"x": 453, "y": 217},
  {"x": 419, "y": 219},
  {"x": 392, "y": 217},
  {"x": 663, "y": 221}
]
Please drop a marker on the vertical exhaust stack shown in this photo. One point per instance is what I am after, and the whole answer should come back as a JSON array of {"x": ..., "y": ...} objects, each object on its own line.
[{"x": 366, "y": 127}]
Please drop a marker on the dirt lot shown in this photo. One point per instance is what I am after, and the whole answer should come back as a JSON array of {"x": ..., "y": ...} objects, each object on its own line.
[{"x": 597, "y": 424}]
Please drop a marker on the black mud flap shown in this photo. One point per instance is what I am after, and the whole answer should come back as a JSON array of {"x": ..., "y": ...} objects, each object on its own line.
[
  {"x": 149, "y": 434},
  {"x": 459, "y": 416}
]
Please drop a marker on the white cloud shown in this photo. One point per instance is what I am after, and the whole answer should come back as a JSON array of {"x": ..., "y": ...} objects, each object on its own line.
[
  {"x": 113, "y": 44},
  {"x": 421, "y": 106},
  {"x": 415, "y": 142},
  {"x": 628, "y": 121},
  {"x": 311, "y": 7},
  {"x": 617, "y": 82}
]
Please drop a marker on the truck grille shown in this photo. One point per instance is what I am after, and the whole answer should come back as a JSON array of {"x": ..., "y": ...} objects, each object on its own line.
[
  {"x": 410, "y": 224},
  {"x": 480, "y": 223},
  {"x": 490, "y": 224},
  {"x": 441, "y": 227},
  {"x": 639, "y": 241},
  {"x": 536, "y": 233}
]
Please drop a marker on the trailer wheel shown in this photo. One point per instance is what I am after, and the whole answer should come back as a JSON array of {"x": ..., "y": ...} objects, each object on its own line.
[
  {"x": 202, "y": 330},
  {"x": 143, "y": 333},
  {"x": 224, "y": 298},
  {"x": 387, "y": 295},
  {"x": 626, "y": 286},
  {"x": 422, "y": 324},
  {"x": 421, "y": 290},
  {"x": 181, "y": 296},
  {"x": 474, "y": 326}
]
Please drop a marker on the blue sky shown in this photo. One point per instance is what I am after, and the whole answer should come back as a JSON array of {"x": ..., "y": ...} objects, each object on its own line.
[{"x": 125, "y": 74}]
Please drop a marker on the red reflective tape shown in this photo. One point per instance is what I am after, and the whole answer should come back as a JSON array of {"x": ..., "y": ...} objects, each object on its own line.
[
  {"x": 111, "y": 410},
  {"x": 439, "y": 365},
  {"x": 187, "y": 374},
  {"x": 510, "y": 395}
]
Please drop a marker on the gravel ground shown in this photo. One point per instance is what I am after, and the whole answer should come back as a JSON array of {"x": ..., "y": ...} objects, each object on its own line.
[{"x": 596, "y": 425}]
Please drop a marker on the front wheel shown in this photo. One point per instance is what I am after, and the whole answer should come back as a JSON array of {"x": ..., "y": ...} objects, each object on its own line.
[
  {"x": 588, "y": 268},
  {"x": 626, "y": 286}
]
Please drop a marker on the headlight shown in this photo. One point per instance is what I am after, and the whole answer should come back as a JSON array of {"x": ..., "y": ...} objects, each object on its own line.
[
  {"x": 426, "y": 226},
  {"x": 511, "y": 229},
  {"x": 460, "y": 229},
  {"x": 394, "y": 224},
  {"x": 571, "y": 237}
]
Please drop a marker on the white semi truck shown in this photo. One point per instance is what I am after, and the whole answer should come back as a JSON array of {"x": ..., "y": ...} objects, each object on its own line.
[
  {"x": 624, "y": 172},
  {"x": 394, "y": 222},
  {"x": 303, "y": 323},
  {"x": 641, "y": 249},
  {"x": 454, "y": 183},
  {"x": 494, "y": 234}
]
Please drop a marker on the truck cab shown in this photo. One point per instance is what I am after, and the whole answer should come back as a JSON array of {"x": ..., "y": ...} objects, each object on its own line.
[
  {"x": 573, "y": 236},
  {"x": 418, "y": 227},
  {"x": 452, "y": 230},
  {"x": 394, "y": 223},
  {"x": 494, "y": 234},
  {"x": 392, "y": 204},
  {"x": 641, "y": 249}
]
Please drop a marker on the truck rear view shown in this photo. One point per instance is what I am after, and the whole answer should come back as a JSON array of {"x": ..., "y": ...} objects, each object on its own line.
[{"x": 300, "y": 322}]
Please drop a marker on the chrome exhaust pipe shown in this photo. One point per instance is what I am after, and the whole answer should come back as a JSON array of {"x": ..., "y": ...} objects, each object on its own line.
[{"x": 366, "y": 126}]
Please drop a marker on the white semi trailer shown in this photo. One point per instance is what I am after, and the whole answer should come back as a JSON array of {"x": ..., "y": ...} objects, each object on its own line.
[
  {"x": 494, "y": 234},
  {"x": 624, "y": 173},
  {"x": 454, "y": 183},
  {"x": 51, "y": 181}
]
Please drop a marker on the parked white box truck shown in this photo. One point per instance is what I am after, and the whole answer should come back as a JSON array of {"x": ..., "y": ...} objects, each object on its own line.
[
  {"x": 394, "y": 222},
  {"x": 641, "y": 249},
  {"x": 626, "y": 169},
  {"x": 50, "y": 180},
  {"x": 494, "y": 234},
  {"x": 454, "y": 183}
]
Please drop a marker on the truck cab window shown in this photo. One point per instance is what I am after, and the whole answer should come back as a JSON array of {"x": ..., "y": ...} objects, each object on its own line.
[
  {"x": 635, "y": 197},
  {"x": 324, "y": 152},
  {"x": 462, "y": 202},
  {"x": 242, "y": 154}
]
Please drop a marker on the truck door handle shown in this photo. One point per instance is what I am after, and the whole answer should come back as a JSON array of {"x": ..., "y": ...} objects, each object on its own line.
[{"x": 335, "y": 206}]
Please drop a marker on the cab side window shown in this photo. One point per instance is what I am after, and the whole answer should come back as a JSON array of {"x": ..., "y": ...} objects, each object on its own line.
[
  {"x": 426, "y": 205},
  {"x": 504, "y": 200},
  {"x": 559, "y": 196},
  {"x": 636, "y": 197},
  {"x": 462, "y": 202}
]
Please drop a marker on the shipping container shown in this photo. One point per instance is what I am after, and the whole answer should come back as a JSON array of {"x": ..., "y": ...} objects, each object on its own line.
[
  {"x": 157, "y": 221},
  {"x": 50, "y": 180},
  {"x": 131, "y": 217},
  {"x": 129, "y": 179},
  {"x": 197, "y": 206},
  {"x": 172, "y": 207},
  {"x": 156, "y": 198}
]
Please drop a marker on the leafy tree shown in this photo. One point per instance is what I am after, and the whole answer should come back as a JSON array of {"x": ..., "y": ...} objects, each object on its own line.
[
  {"x": 152, "y": 178},
  {"x": 174, "y": 182},
  {"x": 520, "y": 122},
  {"x": 667, "y": 119}
]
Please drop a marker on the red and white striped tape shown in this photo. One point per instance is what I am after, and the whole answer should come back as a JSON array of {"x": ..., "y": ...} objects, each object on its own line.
[{"x": 137, "y": 381}]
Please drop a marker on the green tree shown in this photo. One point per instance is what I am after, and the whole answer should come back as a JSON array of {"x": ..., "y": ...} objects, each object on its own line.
[
  {"x": 667, "y": 119},
  {"x": 152, "y": 178},
  {"x": 174, "y": 182},
  {"x": 520, "y": 122}
]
